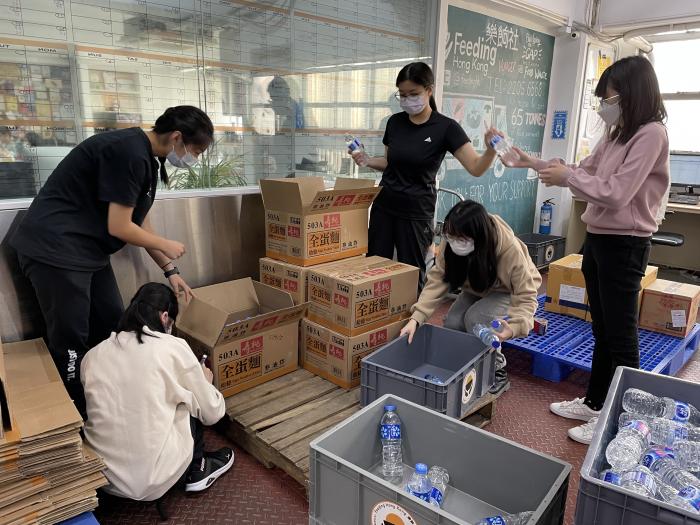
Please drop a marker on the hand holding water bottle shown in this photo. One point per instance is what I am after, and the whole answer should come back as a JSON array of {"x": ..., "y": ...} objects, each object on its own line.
[
  {"x": 502, "y": 328},
  {"x": 357, "y": 150}
]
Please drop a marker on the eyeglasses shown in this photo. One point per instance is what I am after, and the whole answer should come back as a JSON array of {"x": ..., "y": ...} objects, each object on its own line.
[{"x": 398, "y": 96}]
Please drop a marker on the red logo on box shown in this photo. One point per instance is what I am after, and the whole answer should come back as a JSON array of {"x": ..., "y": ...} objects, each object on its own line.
[
  {"x": 265, "y": 323},
  {"x": 291, "y": 286},
  {"x": 293, "y": 231},
  {"x": 336, "y": 351},
  {"x": 378, "y": 338},
  {"x": 331, "y": 221},
  {"x": 344, "y": 200},
  {"x": 382, "y": 288},
  {"x": 341, "y": 300},
  {"x": 251, "y": 346}
]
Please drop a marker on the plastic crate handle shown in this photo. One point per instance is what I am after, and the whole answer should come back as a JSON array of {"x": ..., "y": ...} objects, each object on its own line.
[{"x": 400, "y": 377}]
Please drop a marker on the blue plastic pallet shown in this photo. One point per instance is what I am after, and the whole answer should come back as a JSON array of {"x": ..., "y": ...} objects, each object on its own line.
[
  {"x": 86, "y": 518},
  {"x": 568, "y": 344}
]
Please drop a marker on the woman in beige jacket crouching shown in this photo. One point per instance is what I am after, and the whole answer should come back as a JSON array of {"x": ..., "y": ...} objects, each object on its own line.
[{"x": 481, "y": 254}]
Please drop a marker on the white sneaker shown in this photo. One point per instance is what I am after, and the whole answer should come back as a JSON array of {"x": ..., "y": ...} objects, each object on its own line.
[
  {"x": 575, "y": 409},
  {"x": 584, "y": 433}
]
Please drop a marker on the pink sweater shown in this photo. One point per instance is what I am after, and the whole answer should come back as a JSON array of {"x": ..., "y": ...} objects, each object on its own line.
[{"x": 624, "y": 184}]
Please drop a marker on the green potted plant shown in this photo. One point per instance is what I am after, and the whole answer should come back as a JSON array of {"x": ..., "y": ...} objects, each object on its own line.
[{"x": 212, "y": 171}]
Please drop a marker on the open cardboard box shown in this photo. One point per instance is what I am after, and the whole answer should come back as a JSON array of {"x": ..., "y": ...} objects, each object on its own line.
[
  {"x": 305, "y": 224},
  {"x": 248, "y": 329}
]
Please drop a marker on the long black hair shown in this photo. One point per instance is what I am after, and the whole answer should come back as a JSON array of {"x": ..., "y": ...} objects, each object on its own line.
[
  {"x": 470, "y": 219},
  {"x": 421, "y": 74},
  {"x": 640, "y": 97},
  {"x": 194, "y": 124},
  {"x": 145, "y": 309}
]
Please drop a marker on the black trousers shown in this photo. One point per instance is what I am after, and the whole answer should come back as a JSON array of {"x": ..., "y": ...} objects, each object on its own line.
[
  {"x": 198, "y": 435},
  {"x": 80, "y": 309},
  {"x": 410, "y": 237},
  {"x": 613, "y": 266}
]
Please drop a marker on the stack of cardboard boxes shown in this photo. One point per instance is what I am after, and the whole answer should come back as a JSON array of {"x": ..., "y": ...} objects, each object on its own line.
[
  {"x": 47, "y": 475},
  {"x": 315, "y": 240},
  {"x": 666, "y": 307}
]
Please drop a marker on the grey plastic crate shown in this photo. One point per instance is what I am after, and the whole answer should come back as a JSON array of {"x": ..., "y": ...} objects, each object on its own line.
[
  {"x": 488, "y": 474},
  {"x": 543, "y": 249},
  {"x": 603, "y": 503},
  {"x": 465, "y": 366}
]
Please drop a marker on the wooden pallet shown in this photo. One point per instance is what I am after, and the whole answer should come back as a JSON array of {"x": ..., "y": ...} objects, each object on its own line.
[{"x": 276, "y": 421}]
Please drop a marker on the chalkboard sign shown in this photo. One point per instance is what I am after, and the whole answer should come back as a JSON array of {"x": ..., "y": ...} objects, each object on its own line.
[{"x": 496, "y": 73}]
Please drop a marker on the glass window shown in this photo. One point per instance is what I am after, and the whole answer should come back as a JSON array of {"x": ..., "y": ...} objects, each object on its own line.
[{"x": 282, "y": 81}]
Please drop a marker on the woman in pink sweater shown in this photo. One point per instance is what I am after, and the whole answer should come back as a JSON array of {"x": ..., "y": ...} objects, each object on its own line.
[{"x": 624, "y": 182}]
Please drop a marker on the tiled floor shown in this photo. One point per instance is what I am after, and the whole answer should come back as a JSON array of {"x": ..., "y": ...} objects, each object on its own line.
[{"x": 251, "y": 494}]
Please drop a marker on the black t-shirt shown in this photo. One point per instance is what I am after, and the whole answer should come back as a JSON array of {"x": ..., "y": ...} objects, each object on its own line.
[
  {"x": 66, "y": 224},
  {"x": 415, "y": 152}
]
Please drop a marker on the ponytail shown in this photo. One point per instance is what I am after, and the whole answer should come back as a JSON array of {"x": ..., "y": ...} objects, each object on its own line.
[
  {"x": 194, "y": 124},
  {"x": 433, "y": 105},
  {"x": 145, "y": 309}
]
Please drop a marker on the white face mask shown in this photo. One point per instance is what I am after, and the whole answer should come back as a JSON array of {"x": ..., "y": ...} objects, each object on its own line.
[
  {"x": 610, "y": 113},
  {"x": 185, "y": 161},
  {"x": 413, "y": 104},
  {"x": 461, "y": 247}
]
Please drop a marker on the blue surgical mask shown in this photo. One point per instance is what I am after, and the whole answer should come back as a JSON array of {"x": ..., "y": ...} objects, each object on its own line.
[{"x": 413, "y": 104}]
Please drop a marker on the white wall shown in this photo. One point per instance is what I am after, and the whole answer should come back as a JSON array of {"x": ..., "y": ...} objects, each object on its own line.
[{"x": 633, "y": 14}]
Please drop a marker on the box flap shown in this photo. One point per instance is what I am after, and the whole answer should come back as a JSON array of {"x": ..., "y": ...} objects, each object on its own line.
[
  {"x": 216, "y": 306},
  {"x": 28, "y": 364},
  {"x": 342, "y": 200},
  {"x": 347, "y": 183},
  {"x": 685, "y": 290},
  {"x": 271, "y": 298},
  {"x": 263, "y": 322},
  {"x": 290, "y": 195}
]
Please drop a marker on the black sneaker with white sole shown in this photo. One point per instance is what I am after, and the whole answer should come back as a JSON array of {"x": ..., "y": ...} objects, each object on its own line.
[
  {"x": 209, "y": 469},
  {"x": 502, "y": 383}
]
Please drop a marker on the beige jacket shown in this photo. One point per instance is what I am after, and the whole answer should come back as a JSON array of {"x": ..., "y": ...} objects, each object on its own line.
[
  {"x": 139, "y": 401},
  {"x": 516, "y": 273}
]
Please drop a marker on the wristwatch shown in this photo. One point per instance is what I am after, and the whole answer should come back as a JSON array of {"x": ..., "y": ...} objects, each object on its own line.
[{"x": 172, "y": 272}]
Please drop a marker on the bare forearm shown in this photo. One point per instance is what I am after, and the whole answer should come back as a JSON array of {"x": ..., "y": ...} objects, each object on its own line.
[
  {"x": 377, "y": 163},
  {"x": 133, "y": 234},
  {"x": 483, "y": 163},
  {"x": 159, "y": 258}
]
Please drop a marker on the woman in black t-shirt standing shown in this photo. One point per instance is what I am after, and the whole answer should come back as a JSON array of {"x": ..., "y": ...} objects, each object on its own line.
[
  {"x": 94, "y": 203},
  {"x": 416, "y": 141}
]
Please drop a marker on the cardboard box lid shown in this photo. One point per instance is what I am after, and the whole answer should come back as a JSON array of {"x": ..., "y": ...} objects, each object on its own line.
[
  {"x": 680, "y": 290},
  {"x": 226, "y": 311},
  {"x": 308, "y": 194},
  {"x": 570, "y": 261},
  {"x": 367, "y": 269}
]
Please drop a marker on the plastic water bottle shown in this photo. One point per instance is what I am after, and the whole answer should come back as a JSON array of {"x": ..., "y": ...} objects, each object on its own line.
[
  {"x": 504, "y": 149},
  {"x": 390, "y": 434},
  {"x": 419, "y": 484},
  {"x": 433, "y": 379},
  {"x": 688, "y": 454},
  {"x": 357, "y": 149},
  {"x": 668, "y": 471},
  {"x": 499, "y": 324},
  {"x": 610, "y": 476},
  {"x": 688, "y": 499},
  {"x": 627, "y": 417},
  {"x": 487, "y": 336},
  {"x": 507, "y": 519},
  {"x": 654, "y": 454},
  {"x": 667, "y": 432},
  {"x": 626, "y": 449},
  {"x": 439, "y": 478},
  {"x": 664, "y": 491},
  {"x": 639, "y": 480},
  {"x": 649, "y": 405}
]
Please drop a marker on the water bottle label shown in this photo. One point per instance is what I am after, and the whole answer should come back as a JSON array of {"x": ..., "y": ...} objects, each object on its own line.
[
  {"x": 654, "y": 455},
  {"x": 425, "y": 496},
  {"x": 641, "y": 478},
  {"x": 354, "y": 145},
  {"x": 436, "y": 496},
  {"x": 638, "y": 425},
  {"x": 390, "y": 431},
  {"x": 680, "y": 432},
  {"x": 495, "y": 520},
  {"x": 612, "y": 477},
  {"x": 692, "y": 496},
  {"x": 682, "y": 412}
]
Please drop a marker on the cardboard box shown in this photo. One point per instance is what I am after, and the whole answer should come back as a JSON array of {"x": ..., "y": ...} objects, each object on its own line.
[
  {"x": 249, "y": 330},
  {"x": 566, "y": 287},
  {"x": 305, "y": 224},
  {"x": 669, "y": 307},
  {"x": 359, "y": 296},
  {"x": 337, "y": 357},
  {"x": 4, "y": 406},
  {"x": 289, "y": 277}
]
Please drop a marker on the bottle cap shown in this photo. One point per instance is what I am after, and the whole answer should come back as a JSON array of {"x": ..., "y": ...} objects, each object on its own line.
[
  {"x": 389, "y": 408},
  {"x": 421, "y": 468}
]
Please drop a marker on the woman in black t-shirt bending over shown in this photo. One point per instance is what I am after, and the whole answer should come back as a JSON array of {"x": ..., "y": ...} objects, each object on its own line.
[
  {"x": 415, "y": 141},
  {"x": 96, "y": 201}
]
